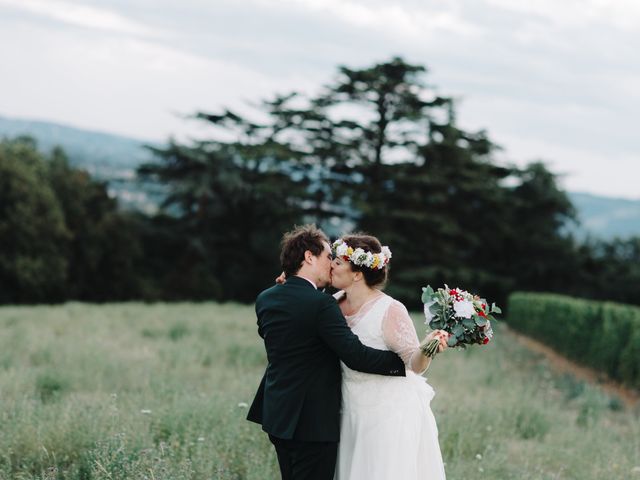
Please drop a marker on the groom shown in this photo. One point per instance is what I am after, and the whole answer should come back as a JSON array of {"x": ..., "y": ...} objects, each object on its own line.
[{"x": 306, "y": 336}]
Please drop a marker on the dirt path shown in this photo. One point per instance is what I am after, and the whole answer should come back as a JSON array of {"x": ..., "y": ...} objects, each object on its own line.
[{"x": 560, "y": 364}]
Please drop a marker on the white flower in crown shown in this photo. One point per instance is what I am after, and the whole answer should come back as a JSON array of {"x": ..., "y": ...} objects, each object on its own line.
[
  {"x": 341, "y": 249},
  {"x": 361, "y": 257},
  {"x": 369, "y": 260}
]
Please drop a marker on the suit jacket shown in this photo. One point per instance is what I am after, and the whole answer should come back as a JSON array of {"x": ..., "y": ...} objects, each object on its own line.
[{"x": 306, "y": 336}]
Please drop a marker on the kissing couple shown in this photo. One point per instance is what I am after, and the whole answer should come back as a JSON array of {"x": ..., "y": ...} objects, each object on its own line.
[{"x": 342, "y": 396}]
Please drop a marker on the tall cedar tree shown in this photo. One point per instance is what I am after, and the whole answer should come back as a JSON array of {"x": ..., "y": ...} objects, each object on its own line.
[{"x": 227, "y": 206}]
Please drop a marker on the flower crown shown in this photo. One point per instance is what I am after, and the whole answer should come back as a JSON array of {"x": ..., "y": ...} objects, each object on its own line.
[{"x": 360, "y": 257}]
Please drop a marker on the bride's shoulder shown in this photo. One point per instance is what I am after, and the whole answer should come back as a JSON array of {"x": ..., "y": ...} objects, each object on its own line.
[
  {"x": 396, "y": 307},
  {"x": 392, "y": 301}
]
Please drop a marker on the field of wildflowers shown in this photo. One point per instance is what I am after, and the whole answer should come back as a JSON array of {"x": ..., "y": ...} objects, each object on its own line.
[{"x": 160, "y": 391}]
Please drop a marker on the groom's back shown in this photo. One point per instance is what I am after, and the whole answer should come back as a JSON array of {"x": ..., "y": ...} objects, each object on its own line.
[{"x": 299, "y": 396}]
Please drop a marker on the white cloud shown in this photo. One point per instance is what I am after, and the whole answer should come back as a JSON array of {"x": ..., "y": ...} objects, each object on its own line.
[
  {"x": 547, "y": 79},
  {"x": 121, "y": 85},
  {"x": 582, "y": 143},
  {"x": 578, "y": 13},
  {"x": 391, "y": 17},
  {"x": 80, "y": 15},
  {"x": 580, "y": 169}
]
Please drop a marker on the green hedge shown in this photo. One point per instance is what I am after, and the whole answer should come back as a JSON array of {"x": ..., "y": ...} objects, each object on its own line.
[{"x": 602, "y": 335}]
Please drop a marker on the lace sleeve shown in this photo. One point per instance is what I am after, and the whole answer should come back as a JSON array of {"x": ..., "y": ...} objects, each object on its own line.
[{"x": 398, "y": 332}]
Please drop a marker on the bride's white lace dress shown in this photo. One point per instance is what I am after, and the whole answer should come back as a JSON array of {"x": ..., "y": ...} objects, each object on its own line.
[{"x": 388, "y": 431}]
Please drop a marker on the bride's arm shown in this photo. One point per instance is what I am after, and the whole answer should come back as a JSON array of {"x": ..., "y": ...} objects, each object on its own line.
[{"x": 399, "y": 334}]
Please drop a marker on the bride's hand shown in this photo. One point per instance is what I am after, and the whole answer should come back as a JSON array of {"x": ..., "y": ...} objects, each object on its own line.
[
  {"x": 442, "y": 337},
  {"x": 280, "y": 279}
]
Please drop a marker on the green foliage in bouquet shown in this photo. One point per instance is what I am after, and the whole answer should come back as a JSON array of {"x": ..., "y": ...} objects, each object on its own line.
[{"x": 466, "y": 317}]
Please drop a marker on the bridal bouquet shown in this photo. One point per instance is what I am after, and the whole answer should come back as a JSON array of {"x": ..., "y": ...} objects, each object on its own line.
[{"x": 463, "y": 315}]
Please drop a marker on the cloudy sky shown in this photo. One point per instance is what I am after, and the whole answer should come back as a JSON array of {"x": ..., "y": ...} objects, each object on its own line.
[{"x": 551, "y": 80}]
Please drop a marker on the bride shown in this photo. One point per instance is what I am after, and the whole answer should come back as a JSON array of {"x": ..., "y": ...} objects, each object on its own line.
[{"x": 387, "y": 428}]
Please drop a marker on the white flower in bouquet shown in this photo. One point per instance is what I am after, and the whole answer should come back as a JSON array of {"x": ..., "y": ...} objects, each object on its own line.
[
  {"x": 488, "y": 331},
  {"x": 463, "y": 315},
  {"x": 427, "y": 313},
  {"x": 464, "y": 309}
]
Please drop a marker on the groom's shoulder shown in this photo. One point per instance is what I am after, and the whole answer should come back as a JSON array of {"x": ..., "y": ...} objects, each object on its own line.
[
  {"x": 267, "y": 293},
  {"x": 295, "y": 291}
]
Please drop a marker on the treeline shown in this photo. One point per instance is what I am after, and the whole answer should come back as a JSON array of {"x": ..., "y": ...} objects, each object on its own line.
[
  {"x": 61, "y": 236},
  {"x": 377, "y": 150}
]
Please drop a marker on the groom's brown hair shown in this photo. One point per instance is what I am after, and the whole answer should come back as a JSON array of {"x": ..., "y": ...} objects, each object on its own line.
[{"x": 298, "y": 241}]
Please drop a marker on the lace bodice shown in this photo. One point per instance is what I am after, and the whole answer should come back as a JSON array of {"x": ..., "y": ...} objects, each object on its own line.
[{"x": 384, "y": 323}]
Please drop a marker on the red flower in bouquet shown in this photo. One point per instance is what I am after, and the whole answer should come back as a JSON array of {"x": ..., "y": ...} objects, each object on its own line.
[{"x": 461, "y": 314}]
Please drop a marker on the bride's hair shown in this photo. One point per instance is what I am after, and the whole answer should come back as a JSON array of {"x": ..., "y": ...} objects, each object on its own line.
[{"x": 372, "y": 277}]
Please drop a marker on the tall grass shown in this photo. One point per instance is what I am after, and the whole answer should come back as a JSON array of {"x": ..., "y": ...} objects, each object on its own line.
[{"x": 159, "y": 391}]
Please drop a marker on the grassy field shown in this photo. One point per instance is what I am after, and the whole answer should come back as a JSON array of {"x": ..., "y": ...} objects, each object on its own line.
[{"x": 140, "y": 391}]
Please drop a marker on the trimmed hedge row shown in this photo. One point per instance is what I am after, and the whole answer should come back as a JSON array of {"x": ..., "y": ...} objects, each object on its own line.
[{"x": 602, "y": 335}]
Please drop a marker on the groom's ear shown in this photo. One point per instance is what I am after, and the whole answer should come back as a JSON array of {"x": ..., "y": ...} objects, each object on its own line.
[{"x": 308, "y": 256}]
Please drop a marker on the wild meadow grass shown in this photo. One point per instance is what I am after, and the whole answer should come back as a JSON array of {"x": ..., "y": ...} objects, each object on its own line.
[{"x": 135, "y": 391}]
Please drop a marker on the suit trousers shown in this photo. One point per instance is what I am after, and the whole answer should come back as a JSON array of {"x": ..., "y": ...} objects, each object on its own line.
[{"x": 300, "y": 460}]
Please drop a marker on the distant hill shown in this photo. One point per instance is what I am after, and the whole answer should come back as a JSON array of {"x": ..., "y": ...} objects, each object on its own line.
[
  {"x": 101, "y": 153},
  {"x": 107, "y": 157},
  {"x": 607, "y": 217},
  {"x": 114, "y": 158}
]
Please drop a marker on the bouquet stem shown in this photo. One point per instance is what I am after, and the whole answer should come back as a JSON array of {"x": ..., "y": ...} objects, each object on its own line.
[{"x": 430, "y": 348}]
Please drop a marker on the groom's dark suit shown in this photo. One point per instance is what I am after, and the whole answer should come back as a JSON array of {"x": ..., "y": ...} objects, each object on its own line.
[{"x": 298, "y": 401}]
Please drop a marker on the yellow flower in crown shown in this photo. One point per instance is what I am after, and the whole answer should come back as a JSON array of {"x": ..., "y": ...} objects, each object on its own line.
[{"x": 361, "y": 257}]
